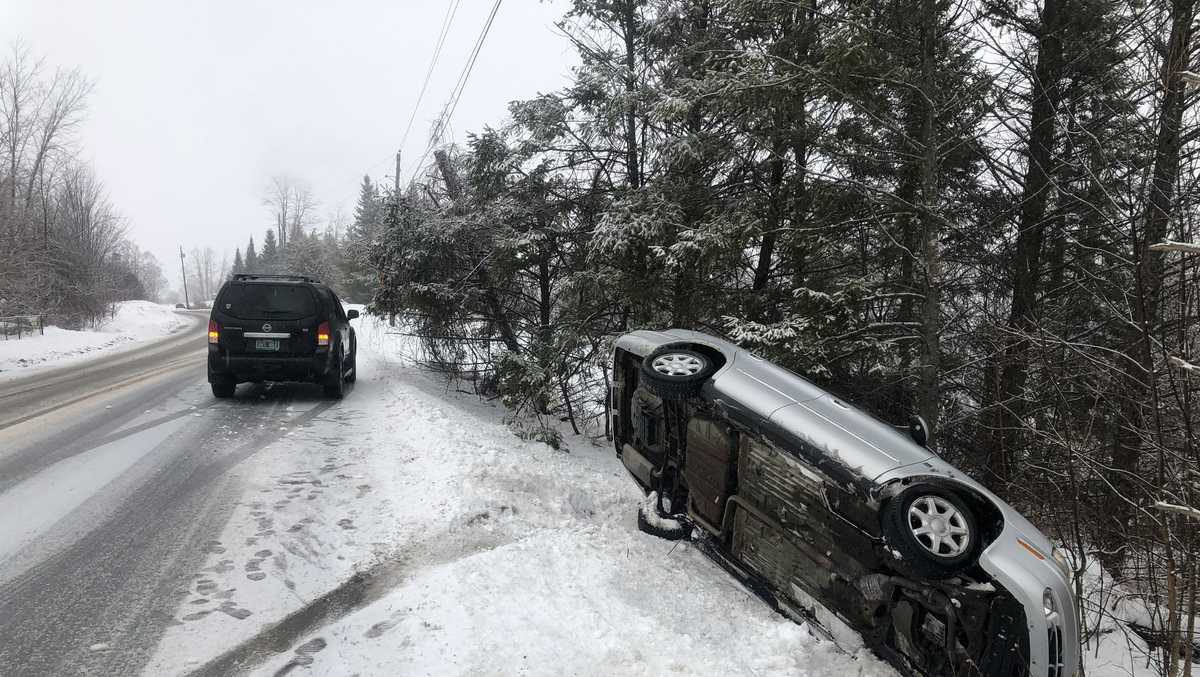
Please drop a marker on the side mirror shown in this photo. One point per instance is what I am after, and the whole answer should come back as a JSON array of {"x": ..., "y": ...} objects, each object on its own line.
[
  {"x": 918, "y": 430},
  {"x": 351, "y": 314}
]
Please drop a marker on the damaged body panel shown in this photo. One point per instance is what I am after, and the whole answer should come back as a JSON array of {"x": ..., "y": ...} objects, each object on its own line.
[{"x": 811, "y": 501}]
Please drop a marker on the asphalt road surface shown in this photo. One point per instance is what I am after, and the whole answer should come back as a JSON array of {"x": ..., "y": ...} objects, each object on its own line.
[{"x": 114, "y": 476}]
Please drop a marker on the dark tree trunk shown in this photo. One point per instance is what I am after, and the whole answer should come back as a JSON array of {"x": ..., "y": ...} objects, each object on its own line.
[
  {"x": 777, "y": 198},
  {"x": 491, "y": 300},
  {"x": 632, "y": 159},
  {"x": 929, "y": 395},
  {"x": 1133, "y": 425},
  {"x": 1004, "y": 411}
]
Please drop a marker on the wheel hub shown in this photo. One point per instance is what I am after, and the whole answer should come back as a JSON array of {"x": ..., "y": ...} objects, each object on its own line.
[
  {"x": 939, "y": 526},
  {"x": 677, "y": 364}
]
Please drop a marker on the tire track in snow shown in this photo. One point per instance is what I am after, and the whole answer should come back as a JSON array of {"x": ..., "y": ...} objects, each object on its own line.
[{"x": 360, "y": 590}]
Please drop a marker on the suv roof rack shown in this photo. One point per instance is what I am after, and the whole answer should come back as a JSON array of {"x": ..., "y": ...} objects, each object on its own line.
[{"x": 264, "y": 276}]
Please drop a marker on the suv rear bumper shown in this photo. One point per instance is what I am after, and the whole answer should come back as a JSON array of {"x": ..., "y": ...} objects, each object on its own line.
[{"x": 224, "y": 366}]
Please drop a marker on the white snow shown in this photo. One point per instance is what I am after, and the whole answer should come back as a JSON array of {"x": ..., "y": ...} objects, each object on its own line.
[
  {"x": 133, "y": 323},
  {"x": 1184, "y": 510},
  {"x": 1111, "y": 648},
  {"x": 1172, "y": 246},
  {"x": 649, "y": 510},
  {"x": 483, "y": 554},
  {"x": 1180, "y": 363}
]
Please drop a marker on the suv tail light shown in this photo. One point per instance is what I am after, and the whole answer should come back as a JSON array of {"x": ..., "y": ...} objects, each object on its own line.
[
  {"x": 214, "y": 331},
  {"x": 323, "y": 334}
]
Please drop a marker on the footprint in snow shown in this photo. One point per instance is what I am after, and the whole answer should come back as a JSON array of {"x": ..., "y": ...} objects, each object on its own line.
[
  {"x": 377, "y": 630},
  {"x": 304, "y": 655},
  {"x": 232, "y": 609}
]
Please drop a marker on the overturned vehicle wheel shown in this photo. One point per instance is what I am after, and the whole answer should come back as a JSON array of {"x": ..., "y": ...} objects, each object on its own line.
[
  {"x": 933, "y": 530},
  {"x": 676, "y": 373}
]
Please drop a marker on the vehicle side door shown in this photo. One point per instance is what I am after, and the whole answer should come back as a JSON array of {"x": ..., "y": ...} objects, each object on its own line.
[{"x": 345, "y": 331}]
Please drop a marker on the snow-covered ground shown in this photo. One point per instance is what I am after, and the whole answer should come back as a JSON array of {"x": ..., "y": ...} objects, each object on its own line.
[
  {"x": 133, "y": 323},
  {"x": 1112, "y": 648},
  {"x": 448, "y": 546}
]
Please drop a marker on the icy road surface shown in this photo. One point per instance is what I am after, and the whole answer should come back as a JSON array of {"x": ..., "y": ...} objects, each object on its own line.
[{"x": 404, "y": 530}]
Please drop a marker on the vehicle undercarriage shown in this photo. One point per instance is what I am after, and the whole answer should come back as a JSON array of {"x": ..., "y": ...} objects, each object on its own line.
[{"x": 801, "y": 533}]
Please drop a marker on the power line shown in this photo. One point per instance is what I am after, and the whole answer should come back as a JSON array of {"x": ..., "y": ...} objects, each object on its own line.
[
  {"x": 459, "y": 86},
  {"x": 466, "y": 74},
  {"x": 451, "y": 10},
  {"x": 447, "y": 20}
]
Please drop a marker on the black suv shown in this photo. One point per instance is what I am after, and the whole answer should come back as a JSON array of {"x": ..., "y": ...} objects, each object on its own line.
[{"x": 280, "y": 328}]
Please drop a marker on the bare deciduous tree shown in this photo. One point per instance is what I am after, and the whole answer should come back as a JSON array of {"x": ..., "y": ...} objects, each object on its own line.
[{"x": 291, "y": 203}]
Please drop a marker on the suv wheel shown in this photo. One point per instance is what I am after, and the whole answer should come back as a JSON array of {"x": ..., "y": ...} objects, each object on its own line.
[
  {"x": 353, "y": 375},
  {"x": 676, "y": 373},
  {"x": 223, "y": 389},
  {"x": 932, "y": 529},
  {"x": 335, "y": 381}
]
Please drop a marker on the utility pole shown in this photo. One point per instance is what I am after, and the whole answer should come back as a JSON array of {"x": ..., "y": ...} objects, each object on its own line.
[
  {"x": 397, "y": 191},
  {"x": 186, "y": 304}
]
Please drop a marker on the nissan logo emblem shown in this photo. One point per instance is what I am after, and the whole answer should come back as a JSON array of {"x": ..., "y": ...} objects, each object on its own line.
[{"x": 266, "y": 327}]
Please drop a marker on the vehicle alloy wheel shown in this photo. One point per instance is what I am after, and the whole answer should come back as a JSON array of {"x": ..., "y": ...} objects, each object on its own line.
[
  {"x": 932, "y": 529},
  {"x": 939, "y": 526},
  {"x": 676, "y": 373},
  {"x": 678, "y": 364}
]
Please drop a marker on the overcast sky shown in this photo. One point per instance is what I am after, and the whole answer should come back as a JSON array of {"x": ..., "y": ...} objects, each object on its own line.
[{"x": 197, "y": 104}]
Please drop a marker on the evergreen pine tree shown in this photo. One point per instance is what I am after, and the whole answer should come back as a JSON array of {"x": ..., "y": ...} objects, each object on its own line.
[
  {"x": 268, "y": 261},
  {"x": 238, "y": 265},
  {"x": 357, "y": 275},
  {"x": 251, "y": 260},
  {"x": 367, "y": 212}
]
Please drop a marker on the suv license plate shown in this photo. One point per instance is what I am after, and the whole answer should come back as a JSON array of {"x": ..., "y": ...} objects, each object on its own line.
[{"x": 266, "y": 344}]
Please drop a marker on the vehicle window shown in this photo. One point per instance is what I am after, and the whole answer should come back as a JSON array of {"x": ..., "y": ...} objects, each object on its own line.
[
  {"x": 337, "y": 304},
  {"x": 253, "y": 301}
]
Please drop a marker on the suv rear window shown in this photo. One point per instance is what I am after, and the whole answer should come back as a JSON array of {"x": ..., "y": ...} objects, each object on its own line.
[{"x": 260, "y": 301}]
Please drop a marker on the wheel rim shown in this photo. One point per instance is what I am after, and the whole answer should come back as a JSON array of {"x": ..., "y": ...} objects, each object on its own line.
[
  {"x": 939, "y": 526},
  {"x": 677, "y": 364}
]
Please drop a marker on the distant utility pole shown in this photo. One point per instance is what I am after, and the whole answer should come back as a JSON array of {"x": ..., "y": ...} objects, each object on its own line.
[
  {"x": 397, "y": 192},
  {"x": 186, "y": 304}
]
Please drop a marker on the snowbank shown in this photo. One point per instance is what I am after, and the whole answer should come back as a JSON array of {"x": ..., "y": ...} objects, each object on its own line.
[
  {"x": 134, "y": 322},
  {"x": 416, "y": 534},
  {"x": 1110, "y": 610}
]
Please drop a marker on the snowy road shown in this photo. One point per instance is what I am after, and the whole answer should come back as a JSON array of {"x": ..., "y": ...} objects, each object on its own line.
[
  {"x": 113, "y": 477},
  {"x": 25, "y": 397}
]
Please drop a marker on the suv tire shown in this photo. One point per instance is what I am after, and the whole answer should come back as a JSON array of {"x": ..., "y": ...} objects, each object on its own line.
[
  {"x": 676, "y": 373},
  {"x": 223, "y": 389},
  {"x": 335, "y": 380}
]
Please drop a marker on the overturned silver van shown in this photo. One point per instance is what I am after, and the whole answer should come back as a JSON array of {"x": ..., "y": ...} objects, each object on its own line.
[{"x": 811, "y": 501}]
